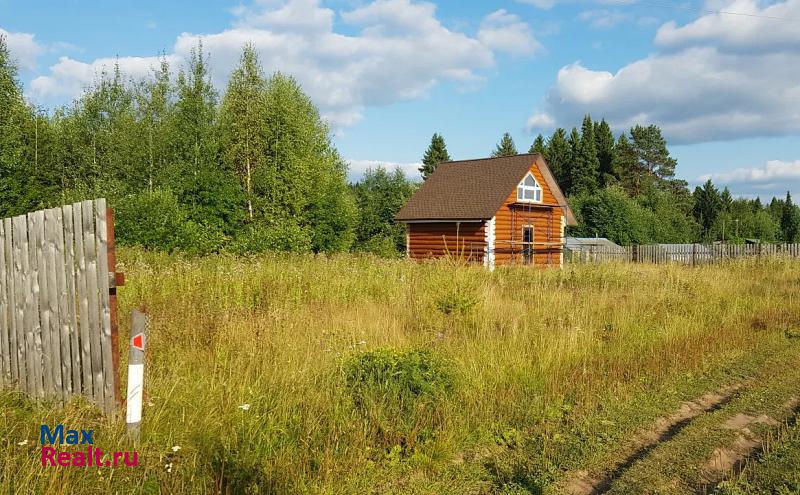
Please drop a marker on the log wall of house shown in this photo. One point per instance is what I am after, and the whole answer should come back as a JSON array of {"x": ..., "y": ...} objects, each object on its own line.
[
  {"x": 513, "y": 215},
  {"x": 435, "y": 240}
]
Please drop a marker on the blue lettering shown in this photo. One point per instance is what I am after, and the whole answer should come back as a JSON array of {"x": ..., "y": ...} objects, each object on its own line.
[{"x": 58, "y": 433}]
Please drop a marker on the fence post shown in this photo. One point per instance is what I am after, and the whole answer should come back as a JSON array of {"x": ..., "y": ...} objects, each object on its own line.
[
  {"x": 136, "y": 373},
  {"x": 115, "y": 280}
]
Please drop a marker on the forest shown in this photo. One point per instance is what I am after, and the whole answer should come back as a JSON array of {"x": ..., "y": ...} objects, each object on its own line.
[{"x": 255, "y": 169}]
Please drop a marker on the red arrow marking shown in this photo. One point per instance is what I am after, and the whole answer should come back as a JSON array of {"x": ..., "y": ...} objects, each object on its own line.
[{"x": 138, "y": 341}]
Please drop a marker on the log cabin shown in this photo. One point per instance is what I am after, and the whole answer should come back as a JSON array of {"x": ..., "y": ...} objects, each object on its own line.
[{"x": 494, "y": 211}]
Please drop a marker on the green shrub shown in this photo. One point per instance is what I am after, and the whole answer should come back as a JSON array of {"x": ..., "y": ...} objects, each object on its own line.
[
  {"x": 158, "y": 221},
  {"x": 399, "y": 394},
  {"x": 456, "y": 303},
  {"x": 262, "y": 237}
]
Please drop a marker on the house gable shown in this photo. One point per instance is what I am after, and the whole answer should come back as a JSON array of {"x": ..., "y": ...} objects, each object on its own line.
[{"x": 476, "y": 189}]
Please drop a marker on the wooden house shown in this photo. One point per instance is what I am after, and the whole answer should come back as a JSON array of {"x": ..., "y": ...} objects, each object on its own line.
[{"x": 495, "y": 211}]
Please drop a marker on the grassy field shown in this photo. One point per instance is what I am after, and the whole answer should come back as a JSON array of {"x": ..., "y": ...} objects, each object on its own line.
[{"x": 302, "y": 374}]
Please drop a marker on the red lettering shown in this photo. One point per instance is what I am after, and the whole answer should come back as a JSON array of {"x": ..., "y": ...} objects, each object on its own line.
[
  {"x": 117, "y": 455},
  {"x": 48, "y": 453},
  {"x": 63, "y": 458},
  {"x": 98, "y": 454},
  {"x": 135, "y": 459}
]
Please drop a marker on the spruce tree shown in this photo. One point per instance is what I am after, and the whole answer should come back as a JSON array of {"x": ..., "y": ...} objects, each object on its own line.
[
  {"x": 558, "y": 156},
  {"x": 626, "y": 164},
  {"x": 434, "y": 155},
  {"x": 574, "y": 142},
  {"x": 727, "y": 199},
  {"x": 538, "y": 146},
  {"x": 790, "y": 220},
  {"x": 505, "y": 147},
  {"x": 586, "y": 168},
  {"x": 707, "y": 206},
  {"x": 604, "y": 143}
]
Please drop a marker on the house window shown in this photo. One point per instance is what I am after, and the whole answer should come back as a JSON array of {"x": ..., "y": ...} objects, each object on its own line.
[
  {"x": 527, "y": 244},
  {"x": 529, "y": 190}
]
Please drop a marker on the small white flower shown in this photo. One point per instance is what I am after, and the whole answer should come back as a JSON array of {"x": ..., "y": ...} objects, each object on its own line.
[
  {"x": 24, "y": 442},
  {"x": 176, "y": 448},
  {"x": 362, "y": 342},
  {"x": 150, "y": 404},
  {"x": 245, "y": 407},
  {"x": 169, "y": 467}
]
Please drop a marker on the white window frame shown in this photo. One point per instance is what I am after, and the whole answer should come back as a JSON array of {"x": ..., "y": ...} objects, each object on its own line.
[{"x": 536, "y": 188}]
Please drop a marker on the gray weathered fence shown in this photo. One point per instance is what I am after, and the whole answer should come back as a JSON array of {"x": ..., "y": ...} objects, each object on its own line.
[
  {"x": 687, "y": 254},
  {"x": 55, "y": 316}
]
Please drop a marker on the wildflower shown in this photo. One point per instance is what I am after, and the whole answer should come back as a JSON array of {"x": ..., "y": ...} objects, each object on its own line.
[
  {"x": 168, "y": 467},
  {"x": 362, "y": 342},
  {"x": 176, "y": 448},
  {"x": 245, "y": 407},
  {"x": 22, "y": 443}
]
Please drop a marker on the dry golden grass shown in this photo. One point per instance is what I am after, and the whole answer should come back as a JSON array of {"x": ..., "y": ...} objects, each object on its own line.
[{"x": 540, "y": 359}]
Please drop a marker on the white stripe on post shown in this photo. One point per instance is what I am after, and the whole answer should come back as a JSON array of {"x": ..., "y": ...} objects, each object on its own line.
[{"x": 136, "y": 373}]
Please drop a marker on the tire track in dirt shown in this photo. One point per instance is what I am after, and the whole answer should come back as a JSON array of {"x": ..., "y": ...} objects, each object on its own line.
[
  {"x": 662, "y": 430},
  {"x": 729, "y": 461}
]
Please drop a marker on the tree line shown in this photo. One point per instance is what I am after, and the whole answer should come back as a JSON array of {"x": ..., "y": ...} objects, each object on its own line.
[
  {"x": 188, "y": 169},
  {"x": 625, "y": 189},
  {"x": 254, "y": 169}
]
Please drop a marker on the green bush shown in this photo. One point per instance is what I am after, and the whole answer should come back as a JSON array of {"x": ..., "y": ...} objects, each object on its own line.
[
  {"x": 399, "y": 394},
  {"x": 158, "y": 221},
  {"x": 259, "y": 238}
]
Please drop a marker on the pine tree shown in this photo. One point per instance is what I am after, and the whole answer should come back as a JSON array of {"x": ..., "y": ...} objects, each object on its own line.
[
  {"x": 790, "y": 220},
  {"x": 434, "y": 155},
  {"x": 538, "y": 146},
  {"x": 505, "y": 147},
  {"x": 655, "y": 164},
  {"x": 604, "y": 143},
  {"x": 558, "y": 156},
  {"x": 586, "y": 168}
]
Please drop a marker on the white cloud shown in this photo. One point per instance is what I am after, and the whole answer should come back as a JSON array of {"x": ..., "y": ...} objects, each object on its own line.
[
  {"x": 539, "y": 121},
  {"x": 23, "y": 48},
  {"x": 542, "y": 4},
  {"x": 502, "y": 31},
  {"x": 700, "y": 92},
  {"x": 68, "y": 77},
  {"x": 604, "y": 18},
  {"x": 772, "y": 172},
  {"x": 399, "y": 51},
  {"x": 359, "y": 167},
  {"x": 739, "y": 32}
]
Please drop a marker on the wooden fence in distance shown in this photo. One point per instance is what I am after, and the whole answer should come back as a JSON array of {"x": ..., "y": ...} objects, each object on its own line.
[
  {"x": 687, "y": 254},
  {"x": 55, "y": 315}
]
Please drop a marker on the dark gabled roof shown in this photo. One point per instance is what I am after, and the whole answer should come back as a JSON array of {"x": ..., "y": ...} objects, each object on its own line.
[{"x": 475, "y": 189}]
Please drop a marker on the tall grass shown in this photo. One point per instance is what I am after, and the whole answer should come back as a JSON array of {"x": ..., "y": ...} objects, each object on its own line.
[{"x": 246, "y": 367}]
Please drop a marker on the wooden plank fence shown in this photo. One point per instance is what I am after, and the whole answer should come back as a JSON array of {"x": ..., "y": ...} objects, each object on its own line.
[
  {"x": 55, "y": 311},
  {"x": 687, "y": 254}
]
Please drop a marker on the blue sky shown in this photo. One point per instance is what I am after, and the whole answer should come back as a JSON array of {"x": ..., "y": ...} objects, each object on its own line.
[{"x": 721, "y": 77}]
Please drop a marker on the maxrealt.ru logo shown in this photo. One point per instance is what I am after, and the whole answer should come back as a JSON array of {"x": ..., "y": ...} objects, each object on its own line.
[{"x": 90, "y": 457}]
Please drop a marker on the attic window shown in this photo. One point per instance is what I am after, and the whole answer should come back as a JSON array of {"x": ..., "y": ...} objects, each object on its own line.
[{"x": 529, "y": 190}]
